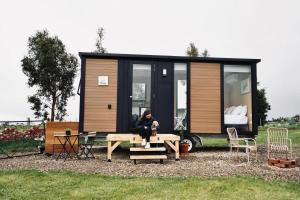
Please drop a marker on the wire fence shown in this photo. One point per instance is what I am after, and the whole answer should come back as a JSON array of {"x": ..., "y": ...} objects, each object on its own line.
[{"x": 21, "y": 138}]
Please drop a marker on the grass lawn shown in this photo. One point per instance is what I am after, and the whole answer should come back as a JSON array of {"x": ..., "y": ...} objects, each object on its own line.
[
  {"x": 68, "y": 185},
  {"x": 29, "y": 145},
  {"x": 294, "y": 134}
]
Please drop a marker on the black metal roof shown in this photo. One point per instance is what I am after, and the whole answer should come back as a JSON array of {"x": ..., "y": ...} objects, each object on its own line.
[{"x": 165, "y": 57}]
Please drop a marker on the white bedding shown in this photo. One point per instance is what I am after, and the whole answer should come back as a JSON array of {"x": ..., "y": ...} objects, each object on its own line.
[{"x": 235, "y": 119}]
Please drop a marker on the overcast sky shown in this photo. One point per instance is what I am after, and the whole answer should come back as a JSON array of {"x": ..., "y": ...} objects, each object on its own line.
[{"x": 269, "y": 30}]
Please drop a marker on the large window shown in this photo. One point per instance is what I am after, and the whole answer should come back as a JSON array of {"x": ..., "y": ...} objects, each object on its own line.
[
  {"x": 141, "y": 88},
  {"x": 237, "y": 96},
  {"x": 180, "y": 95}
]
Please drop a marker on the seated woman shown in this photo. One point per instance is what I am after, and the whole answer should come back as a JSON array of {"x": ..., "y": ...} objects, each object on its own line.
[{"x": 144, "y": 126}]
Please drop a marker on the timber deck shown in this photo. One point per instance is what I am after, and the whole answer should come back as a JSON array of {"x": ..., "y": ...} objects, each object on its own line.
[{"x": 115, "y": 139}]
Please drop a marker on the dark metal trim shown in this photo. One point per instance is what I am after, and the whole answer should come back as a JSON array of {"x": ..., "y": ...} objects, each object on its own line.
[
  {"x": 165, "y": 57},
  {"x": 82, "y": 94},
  {"x": 254, "y": 99},
  {"x": 121, "y": 95},
  {"x": 188, "y": 74},
  {"x": 223, "y": 131},
  {"x": 78, "y": 88},
  {"x": 172, "y": 74},
  {"x": 153, "y": 80}
]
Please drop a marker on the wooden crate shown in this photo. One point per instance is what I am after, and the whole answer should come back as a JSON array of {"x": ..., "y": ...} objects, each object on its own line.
[{"x": 51, "y": 145}]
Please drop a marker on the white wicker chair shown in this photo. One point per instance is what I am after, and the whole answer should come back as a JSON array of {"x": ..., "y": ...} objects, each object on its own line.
[
  {"x": 234, "y": 142},
  {"x": 179, "y": 122},
  {"x": 279, "y": 142}
]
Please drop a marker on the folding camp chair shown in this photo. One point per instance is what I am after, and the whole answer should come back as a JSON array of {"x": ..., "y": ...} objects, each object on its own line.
[{"x": 86, "y": 146}]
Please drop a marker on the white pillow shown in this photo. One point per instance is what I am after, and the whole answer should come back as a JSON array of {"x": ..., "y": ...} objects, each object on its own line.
[
  {"x": 244, "y": 110},
  {"x": 237, "y": 110},
  {"x": 226, "y": 110},
  {"x": 230, "y": 109}
]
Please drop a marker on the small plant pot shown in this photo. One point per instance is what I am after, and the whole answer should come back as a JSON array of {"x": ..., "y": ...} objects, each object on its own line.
[
  {"x": 184, "y": 149},
  {"x": 68, "y": 132}
]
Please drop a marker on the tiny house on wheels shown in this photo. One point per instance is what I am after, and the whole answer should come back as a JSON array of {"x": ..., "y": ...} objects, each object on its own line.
[{"x": 202, "y": 96}]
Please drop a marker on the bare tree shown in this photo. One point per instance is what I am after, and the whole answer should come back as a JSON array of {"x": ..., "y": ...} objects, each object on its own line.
[{"x": 99, "y": 41}]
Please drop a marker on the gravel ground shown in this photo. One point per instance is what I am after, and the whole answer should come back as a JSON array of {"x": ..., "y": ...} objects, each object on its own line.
[{"x": 202, "y": 163}]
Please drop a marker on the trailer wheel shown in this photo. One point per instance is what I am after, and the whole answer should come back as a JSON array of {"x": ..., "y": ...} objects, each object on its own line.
[{"x": 190, "y": 140}]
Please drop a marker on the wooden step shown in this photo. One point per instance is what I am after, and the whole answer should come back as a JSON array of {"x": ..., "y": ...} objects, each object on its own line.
[
  {"x": 149, "y": 149},
  {"x": 147, "y": 157}
]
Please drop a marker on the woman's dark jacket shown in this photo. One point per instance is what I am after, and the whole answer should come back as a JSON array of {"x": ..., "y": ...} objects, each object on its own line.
[{"x": 145, "y": 122}]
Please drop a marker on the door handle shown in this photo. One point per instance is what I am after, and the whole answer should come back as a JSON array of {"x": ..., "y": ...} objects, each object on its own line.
[{"x": 130, "y": 97}]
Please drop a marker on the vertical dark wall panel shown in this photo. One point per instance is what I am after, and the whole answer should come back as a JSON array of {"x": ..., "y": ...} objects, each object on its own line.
[
  {"x": 82, "y": 94},
  {"x": 254, "y": 99},
  {"x": 123, "y": 96},
  {"x": 162, "y": 102}
]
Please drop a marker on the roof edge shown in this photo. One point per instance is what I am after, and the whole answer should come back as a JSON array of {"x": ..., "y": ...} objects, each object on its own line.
[{"x": 148, "y": 56}]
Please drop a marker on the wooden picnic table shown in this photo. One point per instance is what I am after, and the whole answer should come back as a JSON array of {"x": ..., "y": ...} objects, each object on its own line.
[{"x": 115, "y": 139}]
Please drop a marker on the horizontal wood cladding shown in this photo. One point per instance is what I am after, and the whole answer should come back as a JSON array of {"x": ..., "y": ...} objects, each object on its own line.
[
  {"x": 205, "y": 98},
  {"x": 52, "y": 144},
  {"x": 97, "y": 116}
]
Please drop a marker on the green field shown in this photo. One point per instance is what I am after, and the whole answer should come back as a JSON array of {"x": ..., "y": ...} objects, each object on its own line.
[
  {"x": 21, "y": 145},
  {"x": 294, "y": 134},
  {"x": 68, "y": 185}
]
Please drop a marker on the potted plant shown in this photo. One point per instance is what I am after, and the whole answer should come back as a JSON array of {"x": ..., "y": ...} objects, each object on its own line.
[
  {"x": 68, "y": 131},
  {"x": 183, "y": 146}
]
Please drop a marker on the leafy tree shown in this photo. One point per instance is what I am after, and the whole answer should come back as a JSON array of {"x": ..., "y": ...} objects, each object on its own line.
[
  {"x": 296, "y": 118},
  {"x": 192, "y": 50},
  {"x": 263, "y": 105},
  {"x": 99, "y": 41},
  {"x": 51, "y": 70},
  {"x": 205, "y": 53},
  {"x": 279, "y": 119}
]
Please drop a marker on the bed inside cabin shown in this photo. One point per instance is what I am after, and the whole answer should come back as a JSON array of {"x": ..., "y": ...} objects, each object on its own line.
[{"x": 237, "y": 97}]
